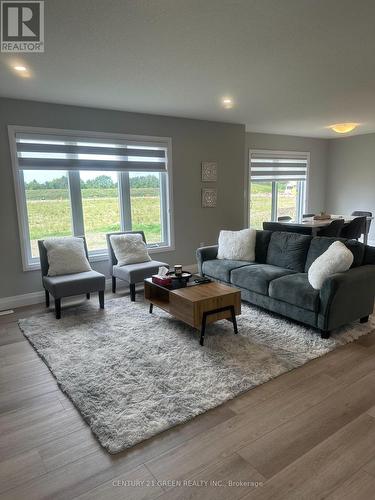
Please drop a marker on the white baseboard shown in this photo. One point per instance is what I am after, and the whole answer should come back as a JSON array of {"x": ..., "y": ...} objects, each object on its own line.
[
  {"x": 29, "y": 299},
  {"x": 26, "y": 299}
]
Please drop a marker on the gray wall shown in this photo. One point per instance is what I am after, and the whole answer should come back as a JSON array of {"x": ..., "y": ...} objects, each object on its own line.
[
  {"x": 351, "y": 176},
  {"x": 193, "y": 141},
  {"x": 318, "y": 148}
]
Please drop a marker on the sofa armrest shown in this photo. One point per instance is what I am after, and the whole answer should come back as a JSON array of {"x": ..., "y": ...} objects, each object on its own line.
[
  {"x": 206, "y": 253},
  {"x": 347, "y": 296}
]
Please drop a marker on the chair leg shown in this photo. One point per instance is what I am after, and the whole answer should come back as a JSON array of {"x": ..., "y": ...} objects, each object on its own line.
[
  {"x": 132, "y": 292},
  {"x": 58, "y": 308},
  {"x": 113, "y": 284},
  {"x": 324, "y": 334},
  {"x": 101, "y": 299},
  {"x": 47, "y": 297},
  {"x": 87, "y": 296}
]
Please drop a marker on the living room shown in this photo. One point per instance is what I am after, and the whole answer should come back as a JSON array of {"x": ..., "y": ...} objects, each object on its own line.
[{"x": 188, "y": 263}]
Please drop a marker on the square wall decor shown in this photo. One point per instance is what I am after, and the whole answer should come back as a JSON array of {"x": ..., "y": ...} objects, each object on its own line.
[
  {"x": 209, "y": 197},
  {"x": 209, "y": 171}
]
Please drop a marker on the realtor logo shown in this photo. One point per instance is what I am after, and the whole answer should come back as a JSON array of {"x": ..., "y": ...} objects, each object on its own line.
[{"x": 22, "y": 26}]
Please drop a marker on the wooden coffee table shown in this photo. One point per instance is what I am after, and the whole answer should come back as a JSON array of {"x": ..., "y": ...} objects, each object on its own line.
[{"x": 196, "y": 305}]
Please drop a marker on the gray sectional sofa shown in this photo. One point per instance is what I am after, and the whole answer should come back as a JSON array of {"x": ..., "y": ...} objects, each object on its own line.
[{"x": 278, "y": 281}]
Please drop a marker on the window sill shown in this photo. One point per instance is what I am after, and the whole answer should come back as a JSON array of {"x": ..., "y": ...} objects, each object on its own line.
[{"x": 100, "y": 257}]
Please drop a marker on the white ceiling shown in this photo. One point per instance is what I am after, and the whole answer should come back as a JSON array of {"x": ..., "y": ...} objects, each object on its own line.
[{"x": 292, "y": 66}]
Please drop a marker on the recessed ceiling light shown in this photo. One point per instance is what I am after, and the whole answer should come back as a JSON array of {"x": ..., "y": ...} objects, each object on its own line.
[
  {"x": 343, "y": 128},
  {"x": 20, "y": 68},
  {"x": 227, "y": 102}
]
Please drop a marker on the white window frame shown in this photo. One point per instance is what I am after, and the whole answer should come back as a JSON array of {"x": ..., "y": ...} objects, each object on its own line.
[
  {"x": 290, "y": 154},
  {"x": 30, "y": 263}
]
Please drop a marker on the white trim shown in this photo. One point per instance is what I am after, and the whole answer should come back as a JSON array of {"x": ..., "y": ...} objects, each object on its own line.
[
  {"x": 28, "y": 299},
  {"x": 281, "y": 153},
  {"x": 29, "y": 263}
]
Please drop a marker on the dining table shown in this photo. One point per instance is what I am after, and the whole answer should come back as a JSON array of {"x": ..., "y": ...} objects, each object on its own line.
[{"x": 316, "y": 224}]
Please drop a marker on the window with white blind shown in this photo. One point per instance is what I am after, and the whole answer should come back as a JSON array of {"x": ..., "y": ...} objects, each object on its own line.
[
  {"x": 79, "y": 183},
  {"x": 277, "y": 185}
]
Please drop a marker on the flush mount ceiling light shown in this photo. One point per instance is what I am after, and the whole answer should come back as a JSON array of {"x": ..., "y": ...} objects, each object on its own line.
[
  {"x": 344, "y": 128},
  {"x": 20, "y": 68},
  {"x": 227, "y": 102}
]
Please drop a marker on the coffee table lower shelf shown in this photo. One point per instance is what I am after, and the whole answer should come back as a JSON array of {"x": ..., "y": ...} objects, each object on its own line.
[{"x": 196, "y": 305}]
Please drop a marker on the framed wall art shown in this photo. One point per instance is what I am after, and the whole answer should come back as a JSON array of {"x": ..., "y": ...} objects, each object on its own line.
[
  {"x": 209, "y": 171},
  {"x": 209, "y": 197}
]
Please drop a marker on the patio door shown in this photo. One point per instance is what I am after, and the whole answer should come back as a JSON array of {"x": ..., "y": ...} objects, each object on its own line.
[{"x": 277, "y": 186}]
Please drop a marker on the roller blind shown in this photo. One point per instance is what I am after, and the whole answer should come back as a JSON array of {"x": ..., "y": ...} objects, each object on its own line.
[
  {"x": 52, "y": 152},
  {"x": 266, "y": 166}
]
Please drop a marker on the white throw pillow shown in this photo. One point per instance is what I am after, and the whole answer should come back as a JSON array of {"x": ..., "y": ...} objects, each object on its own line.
[
  {"x": 66, "y": 256},
  {"x": 237, "y": 245},
  {"x": 336, "y": 259},
  {"x": 129, "y": 249}
]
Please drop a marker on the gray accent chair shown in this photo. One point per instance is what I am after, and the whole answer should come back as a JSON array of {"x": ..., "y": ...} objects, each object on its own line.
[
  {"x": 131, "y": 273},
  {"x": 69, "y": 284}
]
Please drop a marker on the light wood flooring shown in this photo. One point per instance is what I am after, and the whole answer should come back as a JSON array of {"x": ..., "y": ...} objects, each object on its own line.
[{"x": 308, "y": 434}]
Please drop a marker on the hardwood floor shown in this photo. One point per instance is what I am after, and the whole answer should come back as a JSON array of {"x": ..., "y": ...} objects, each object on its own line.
[{"x": 309, "y": 433}]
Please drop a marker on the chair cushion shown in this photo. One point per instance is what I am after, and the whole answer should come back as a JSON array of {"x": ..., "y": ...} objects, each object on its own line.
[
  {"x": 134, "y": 273},
  {"x": 257, "y": 277},
  {"x": 320, "y": 244},
  {"x": 295, "y": 289},
  {"x": 74, "y": 284},
  {"x": 221, "y": 269},
  {"x": 288, "y": 250}
]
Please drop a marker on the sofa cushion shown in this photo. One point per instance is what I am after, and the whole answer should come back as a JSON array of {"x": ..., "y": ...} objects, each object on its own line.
[
  {"x": 257, "y": 277},
  {"x": 261, "y": 246},
  {"x": 288, "y": 250},
  {"x": 295, "y": 289},
  {"x": 220, "y": 269},
  {"x": 74, "y": 284},
  {"x": 320, "y": 244}
]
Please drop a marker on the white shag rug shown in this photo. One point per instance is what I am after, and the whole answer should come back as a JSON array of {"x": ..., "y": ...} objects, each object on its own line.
[{"x": 132, "y": 374}]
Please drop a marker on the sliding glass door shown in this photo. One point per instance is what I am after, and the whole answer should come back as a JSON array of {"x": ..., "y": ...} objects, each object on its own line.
[{"x": 277, "y": 186}]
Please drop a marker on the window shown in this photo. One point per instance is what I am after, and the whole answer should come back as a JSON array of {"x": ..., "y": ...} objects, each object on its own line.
[
  {"x": 101, "y": 207},
  {"x": 277, "y": 185},
  {"x": 74, "y": 184},
  {"x": 48, "y": 205}
]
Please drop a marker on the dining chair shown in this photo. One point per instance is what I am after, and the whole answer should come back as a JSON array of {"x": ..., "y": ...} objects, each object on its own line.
[
  {"x": 284, "y": 218},
  {"x": 286, "y": 228},
  {"x": 354, "y": 229},
  {"x": 332, "y": 230},
  {"x": 68, "y": 285},
  {"x": 130, "y": 273},
  {"x": 363, "y": 213}
]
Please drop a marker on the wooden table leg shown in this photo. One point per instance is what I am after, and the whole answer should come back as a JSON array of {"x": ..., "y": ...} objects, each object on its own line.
[
  {"x": 215, "y": 311},
  {"x": 234, "y": 321},
  {"x": 203, "y": 328}
]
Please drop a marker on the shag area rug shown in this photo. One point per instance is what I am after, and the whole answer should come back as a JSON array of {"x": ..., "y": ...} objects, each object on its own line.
[{"x": 132, "y": 374}]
